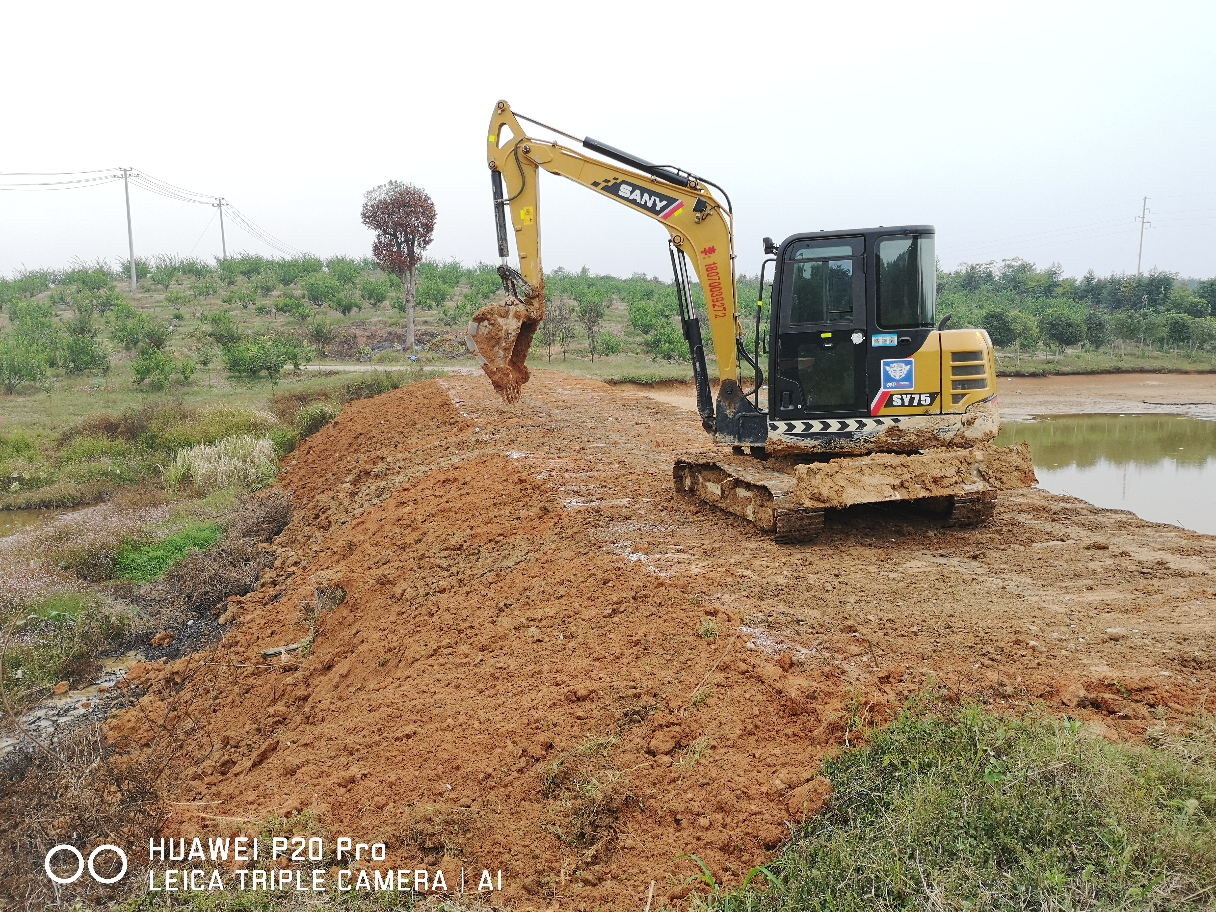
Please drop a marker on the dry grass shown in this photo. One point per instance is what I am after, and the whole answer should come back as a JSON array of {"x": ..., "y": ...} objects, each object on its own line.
[{"x": 242, "y": 461}]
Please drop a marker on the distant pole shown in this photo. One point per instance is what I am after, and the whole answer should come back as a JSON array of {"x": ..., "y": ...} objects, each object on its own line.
[
  {"x": 126, "y": 190},
  {"x": 1140, "y": 255},
  {"x": 223, "y": 240}
]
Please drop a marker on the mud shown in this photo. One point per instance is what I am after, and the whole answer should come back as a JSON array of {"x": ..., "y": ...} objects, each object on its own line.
[
  {"x": 520, "y": 649},
  {"x": 978, "y": 425},
  {"x": 935, "y": 473}
]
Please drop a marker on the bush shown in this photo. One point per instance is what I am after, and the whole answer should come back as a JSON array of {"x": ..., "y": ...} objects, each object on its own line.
[
  {"x": 375, "y": 291},
  {"x": 243, "y": 295},
  {"x": 19, "y": 364},
  {"x": 312, "y": 418},
  {"x": 294, "y": 307},
  {"x": 154, "y": 365},
  {"x": 176, "y": 297},
  {"x": 143, "y": 563},
  {"x": 222, "y": 329},
  {"x": 80, "y": 353},
  {"x": 344, "y": 303},
  {"x": 133, "y": 329},
  {"x": 265, "y": 354},
  {"x": 1000, "y": 327},
  {"x": 321, "y": 288},
  {"x": 1062, "y": 328},
  {"x": 205, "y": 287},
  {"x": 245, "y": 461},
  {"x": 344, "y": 271},
  {"x": 610, "y": 344}
]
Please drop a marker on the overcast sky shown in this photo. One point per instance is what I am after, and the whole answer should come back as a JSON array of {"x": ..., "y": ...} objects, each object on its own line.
[{"x": 1018, "y": 129}]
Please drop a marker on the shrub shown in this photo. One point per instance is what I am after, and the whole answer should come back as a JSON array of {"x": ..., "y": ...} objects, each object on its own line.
[
  {"x": 344, "y": 303},
  {"x": 610, "y": 344},
  {"x": 312, "y": 418},
  {"x": 321, "y": 288},
  {"x": 154, "y": 365},
  {"x": 375, "y": 291},
  {"x": 222, "y": 328},
  {"x": 143, "y": 563},
  {"x": 19, "y": 364},
  {"x": 345, "y": 271},
  {"x": 294, "y": 307},
  {"x": 245, "y": 461},
  {"x": 133, "y": 329},
  {"x": 265, "y": 354},
  {"x": 205, "y": 287},
  {"x": 244, "y": 295},
  {"x": 265, "y": 282},
  {"x": 1062, "y": 328},
  {"x": 176, "y": 297},
  {"x": 80, "y": 353}
]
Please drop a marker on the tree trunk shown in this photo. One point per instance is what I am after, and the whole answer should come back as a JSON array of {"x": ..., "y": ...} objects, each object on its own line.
[{"x": 408, "y": 281}]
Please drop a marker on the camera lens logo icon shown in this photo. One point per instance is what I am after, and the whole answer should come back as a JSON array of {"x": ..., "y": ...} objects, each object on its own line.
[{"x": 81, "y": 864}]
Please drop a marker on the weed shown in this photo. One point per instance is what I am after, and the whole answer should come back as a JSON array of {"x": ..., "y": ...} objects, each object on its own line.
[
  {"x": 244, "y": 461},
  {"x": 708, "y": 629},
  {"x": 143, "y": 563},
  {"x": 600, "y": 745},
  {"x": 694, "y": 752},
  {"x": 952, "y": 807},
  {"x": 701, "y": 697}
]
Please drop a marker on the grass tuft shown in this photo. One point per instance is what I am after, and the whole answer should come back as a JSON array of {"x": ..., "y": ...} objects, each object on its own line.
[
  {"x": 955, "y": 808},
  {"x": 143, "y": 563}
]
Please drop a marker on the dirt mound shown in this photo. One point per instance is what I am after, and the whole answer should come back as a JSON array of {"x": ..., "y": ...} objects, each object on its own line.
[{"x": 517, "y": 648}]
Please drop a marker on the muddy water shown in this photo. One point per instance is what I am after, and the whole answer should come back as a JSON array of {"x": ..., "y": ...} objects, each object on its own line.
[
  {"x": 1160, "y": 467},
  {"x": 15, "y": 520}
]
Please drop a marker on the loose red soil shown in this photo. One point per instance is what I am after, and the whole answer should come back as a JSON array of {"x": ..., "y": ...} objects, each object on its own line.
[{"x": 547, "y": 662}]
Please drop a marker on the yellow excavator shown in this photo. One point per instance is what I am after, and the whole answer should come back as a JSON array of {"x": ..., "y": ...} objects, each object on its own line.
[{"x": 868, "y": 398}]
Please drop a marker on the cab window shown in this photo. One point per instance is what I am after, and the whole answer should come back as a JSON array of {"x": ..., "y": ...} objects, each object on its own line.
[{"x": 907, "y": 282}]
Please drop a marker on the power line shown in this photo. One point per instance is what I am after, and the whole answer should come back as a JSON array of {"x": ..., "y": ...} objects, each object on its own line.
[{"x": 82, "y": 180}]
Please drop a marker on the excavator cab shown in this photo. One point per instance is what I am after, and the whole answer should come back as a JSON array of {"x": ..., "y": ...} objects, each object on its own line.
[{"x": 849, "y": 312}]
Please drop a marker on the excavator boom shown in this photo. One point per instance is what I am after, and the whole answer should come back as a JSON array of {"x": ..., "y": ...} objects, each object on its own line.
[{"x": 699, "y": 227}]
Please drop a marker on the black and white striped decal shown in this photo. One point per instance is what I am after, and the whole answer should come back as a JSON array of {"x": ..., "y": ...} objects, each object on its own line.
[{"x": 830, "y": 425}]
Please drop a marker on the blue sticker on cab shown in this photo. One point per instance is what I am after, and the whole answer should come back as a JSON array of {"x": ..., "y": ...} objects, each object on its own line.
[
  {"x": 898, "y": 374},
  {"x": 884, "y": 339}
]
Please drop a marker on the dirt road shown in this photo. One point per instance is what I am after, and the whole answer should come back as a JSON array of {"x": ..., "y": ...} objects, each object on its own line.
[{"x": 523, "y": 651}]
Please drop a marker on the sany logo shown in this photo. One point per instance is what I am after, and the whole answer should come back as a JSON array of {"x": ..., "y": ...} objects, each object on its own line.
[
  {"x": 81, "y": 864},
  {"x": 650, "y": 201}
]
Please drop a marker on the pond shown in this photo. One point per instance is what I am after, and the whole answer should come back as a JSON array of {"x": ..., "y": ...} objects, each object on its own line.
[{"x": 1160, "y": 467}]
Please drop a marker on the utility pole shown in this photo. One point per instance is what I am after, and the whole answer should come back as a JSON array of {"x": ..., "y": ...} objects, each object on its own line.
[
  {"x": 219, "y": 202},
  {"x": 126, "y": 190},
  {"x": 1144, "y": 210}
]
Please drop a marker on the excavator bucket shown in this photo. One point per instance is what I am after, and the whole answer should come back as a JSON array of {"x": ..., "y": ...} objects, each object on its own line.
[{"x": 500, "y": 335}]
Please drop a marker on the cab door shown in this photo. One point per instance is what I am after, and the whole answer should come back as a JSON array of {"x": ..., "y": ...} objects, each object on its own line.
[{"x": 822, "y": 342}]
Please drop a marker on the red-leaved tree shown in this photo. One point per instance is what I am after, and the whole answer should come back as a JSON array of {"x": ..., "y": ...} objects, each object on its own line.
[{"x": 403, "y": 217}]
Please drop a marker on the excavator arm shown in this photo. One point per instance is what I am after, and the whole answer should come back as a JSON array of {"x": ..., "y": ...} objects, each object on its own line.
[{"x": 700, "y": 229}]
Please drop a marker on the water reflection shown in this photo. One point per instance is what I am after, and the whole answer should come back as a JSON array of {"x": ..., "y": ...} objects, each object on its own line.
[{"x": 1160, "y": 467}]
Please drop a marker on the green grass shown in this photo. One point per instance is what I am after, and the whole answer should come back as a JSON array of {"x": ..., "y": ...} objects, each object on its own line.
[
  {"x": 143, "y": 563},
  {"x": 955, "y": 808}
]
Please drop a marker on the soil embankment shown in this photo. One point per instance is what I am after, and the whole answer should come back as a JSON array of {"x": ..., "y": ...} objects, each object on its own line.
[{"x": 523, "y": 651}]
